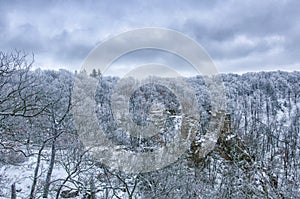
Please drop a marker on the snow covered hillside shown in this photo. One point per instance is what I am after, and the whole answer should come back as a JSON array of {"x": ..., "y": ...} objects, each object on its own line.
[{"x": 257, "y": 154}]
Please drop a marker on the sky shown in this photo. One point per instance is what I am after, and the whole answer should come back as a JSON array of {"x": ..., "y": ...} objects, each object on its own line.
[{"x": 239, "y": 36}]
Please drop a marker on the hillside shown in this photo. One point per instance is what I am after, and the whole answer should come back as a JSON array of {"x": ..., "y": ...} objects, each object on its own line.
[{"x": 257, "y": 154}]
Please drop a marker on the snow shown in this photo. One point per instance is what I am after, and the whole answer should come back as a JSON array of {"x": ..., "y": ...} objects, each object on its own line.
[{"x": 22, "y": 176}]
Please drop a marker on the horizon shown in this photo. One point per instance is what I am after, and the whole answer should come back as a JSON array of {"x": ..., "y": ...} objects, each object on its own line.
[{"x": 224, "y": 73}]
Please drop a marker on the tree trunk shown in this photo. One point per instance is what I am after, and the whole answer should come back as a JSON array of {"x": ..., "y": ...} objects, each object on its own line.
[
  {"x": 50, "y": 169},
  {"x": 13, "y": 191},
  {"x": 92, "y": 187},
  {"x": 36, "y": 171}
]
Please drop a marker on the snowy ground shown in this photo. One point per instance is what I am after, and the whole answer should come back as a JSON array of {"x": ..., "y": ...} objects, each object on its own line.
[{"x": 22, "y": 176}]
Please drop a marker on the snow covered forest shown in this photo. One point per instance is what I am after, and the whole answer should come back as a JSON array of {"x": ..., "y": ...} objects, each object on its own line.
[{"x": 41, "y": 156}]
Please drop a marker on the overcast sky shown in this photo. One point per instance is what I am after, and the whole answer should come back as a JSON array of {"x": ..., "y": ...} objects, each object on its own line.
[{"x": 240, "y": 36}]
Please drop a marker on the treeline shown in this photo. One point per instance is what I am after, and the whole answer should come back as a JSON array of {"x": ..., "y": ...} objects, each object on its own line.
[{"x": 256, "y": 156}]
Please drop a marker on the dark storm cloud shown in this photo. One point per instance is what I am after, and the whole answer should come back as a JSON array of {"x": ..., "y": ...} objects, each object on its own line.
[{"x": 239, "y": 35}]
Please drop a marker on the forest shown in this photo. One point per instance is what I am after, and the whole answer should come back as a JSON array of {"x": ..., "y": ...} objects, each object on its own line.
[{"x": 256, "y": 155}]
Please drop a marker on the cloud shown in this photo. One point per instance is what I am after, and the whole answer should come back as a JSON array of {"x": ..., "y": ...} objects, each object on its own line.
[
  {"x": 239, "y": 35},
  {"x": 240, "y": 32},
  {"x": 135, "y": 59}
]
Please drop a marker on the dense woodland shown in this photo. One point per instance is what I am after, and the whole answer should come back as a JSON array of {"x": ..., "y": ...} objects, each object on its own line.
[{"x": 257, "y": 154}]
